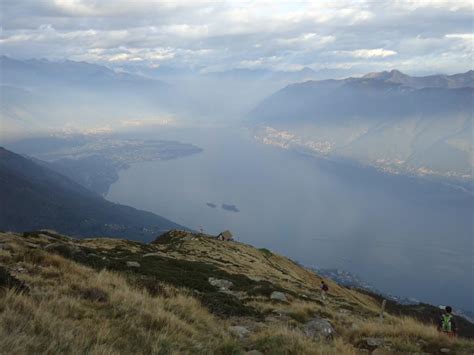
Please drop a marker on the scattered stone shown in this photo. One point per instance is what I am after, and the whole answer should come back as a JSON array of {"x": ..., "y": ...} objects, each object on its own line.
[
  {"x": 149, "y": 254},
  {"x": 278, "y": 296},
  {"x": 254, "y": 352},
  {"x": 133, "y": 264},
  {"x": 31, "y": 245},
  {"x": 239, "y": 331},
  {"x": 444, "y": 350},
  {"x": 239, "y": 294},
  {"x": 221, "y": 283},
  {"x": 344, "y": 311},
  {"x": 422, "y": 342},
  {"x": 319, "y": 328},
  {"x": 382, "y": 351},
  {"x": 374, "y": 342}
]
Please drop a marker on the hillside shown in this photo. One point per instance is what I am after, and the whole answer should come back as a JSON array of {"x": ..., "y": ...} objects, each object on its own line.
[
  {"x": 33, "y": 197},
  {"x": 398, "y": 123},
  {"x": 186, "y": 293}
]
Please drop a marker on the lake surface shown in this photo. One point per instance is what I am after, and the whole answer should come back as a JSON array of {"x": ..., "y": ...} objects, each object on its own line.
[{"x": 406, "y": 236}]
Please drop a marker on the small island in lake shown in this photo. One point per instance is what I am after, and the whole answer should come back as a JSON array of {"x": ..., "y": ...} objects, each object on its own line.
[{"x": 210, "y": 204}]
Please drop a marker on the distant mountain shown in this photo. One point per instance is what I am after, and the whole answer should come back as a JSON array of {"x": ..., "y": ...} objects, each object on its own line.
[
  {"x": 34, "y": 197},
  {"x": 45, "y": 73},
  {"x": 396, "y": 122},
  {"x": 43, "y": 95},
  {"x": 432, "y": 81}
]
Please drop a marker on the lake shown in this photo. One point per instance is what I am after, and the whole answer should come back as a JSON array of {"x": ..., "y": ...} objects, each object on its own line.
[{"x": 406, "y": 236}]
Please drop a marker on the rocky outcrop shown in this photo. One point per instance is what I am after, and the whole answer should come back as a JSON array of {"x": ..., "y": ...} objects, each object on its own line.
[
  {"x": 319, "y": 328},
  {"x": 278, "y": 296}
]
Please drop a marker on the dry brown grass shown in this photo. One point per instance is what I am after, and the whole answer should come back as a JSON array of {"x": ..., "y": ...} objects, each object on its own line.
[
  {"x": 55, "y": 317},
  {"x": 405, "y": 334},
  {"x": 71, "y": 308},
  {"x": 283, "y": 340}
]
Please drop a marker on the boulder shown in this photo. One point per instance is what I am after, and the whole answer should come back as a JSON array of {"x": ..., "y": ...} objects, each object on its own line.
[
  {"x": 444, "y": 350},
  {"x": 318, "y": 328},
  {"x": 133, "y": 264},
  {"x": 254, "y": 352},
  {"x": 278, "y": 296},
  {"x": 374, "y": 342},
  {"x": 239, "y": 331},
  {"x": 221, "y": 283}
]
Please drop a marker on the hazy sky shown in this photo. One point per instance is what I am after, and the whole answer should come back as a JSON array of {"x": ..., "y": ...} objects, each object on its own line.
[{"x": 417, "y": 36}]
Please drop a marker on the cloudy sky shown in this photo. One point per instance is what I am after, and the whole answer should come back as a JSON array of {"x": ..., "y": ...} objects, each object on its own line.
[{"x": 416, "y": 36}]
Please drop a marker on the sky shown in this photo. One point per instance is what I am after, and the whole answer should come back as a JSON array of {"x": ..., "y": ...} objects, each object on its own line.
[{"x": 415, "y": 36}]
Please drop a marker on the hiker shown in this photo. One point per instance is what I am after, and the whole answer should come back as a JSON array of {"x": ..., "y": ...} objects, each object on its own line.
[
  {"x": 324, "y": 290},
  {"x": 447, "y": 324}
]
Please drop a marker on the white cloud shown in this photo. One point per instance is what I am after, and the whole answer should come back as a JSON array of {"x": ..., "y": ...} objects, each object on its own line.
[
  {"x": 229, "y": 34},
  {"x": 464, "y": 36},
  {"x": 369, "y": 53}
]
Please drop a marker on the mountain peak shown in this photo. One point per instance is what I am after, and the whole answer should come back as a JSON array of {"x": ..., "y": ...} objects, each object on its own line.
[{"x": 386, "y": 75}]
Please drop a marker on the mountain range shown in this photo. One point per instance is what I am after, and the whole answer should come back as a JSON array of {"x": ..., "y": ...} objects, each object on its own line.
[
  {"x": 41, "y": 95},
  {"x": 396, "y": 122},
  {"x": 35, "y": 197}
]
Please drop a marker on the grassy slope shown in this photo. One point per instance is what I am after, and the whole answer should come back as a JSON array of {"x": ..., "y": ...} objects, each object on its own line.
[{"x": 84, "y": 298}]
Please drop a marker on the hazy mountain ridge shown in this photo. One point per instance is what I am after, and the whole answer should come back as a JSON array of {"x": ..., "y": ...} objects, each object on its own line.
[
  {"x": 39, "y": 95},
  {"x": 34, "y": 196},
  {"x": 231, "y": 297},
  {"x": 454, "y": 81},
  {"x": 389, "y": 120}
]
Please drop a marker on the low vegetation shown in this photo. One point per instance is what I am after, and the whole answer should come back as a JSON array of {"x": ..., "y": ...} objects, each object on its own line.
[{"x": 108, "y": 296}]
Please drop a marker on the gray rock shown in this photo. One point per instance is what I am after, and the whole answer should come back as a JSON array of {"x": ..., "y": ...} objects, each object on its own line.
[
  {"x": 239, "y": 330},
  {"x": 318, "y": 328},
  {"x": 444, "y": 350},
  {"x": 149, "y": 254},
  {"x": 374, "y": 342},
  {"x": 239, "y": 294},
  {"x": 278, "y": 296},
  {"x": 254, "y": 352},
  {"x": 133, "y": 264},
  {"x": 222, "y": 284},
  {"x": 31, "y": 245},
  {"x": 344, "y": 311}
]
